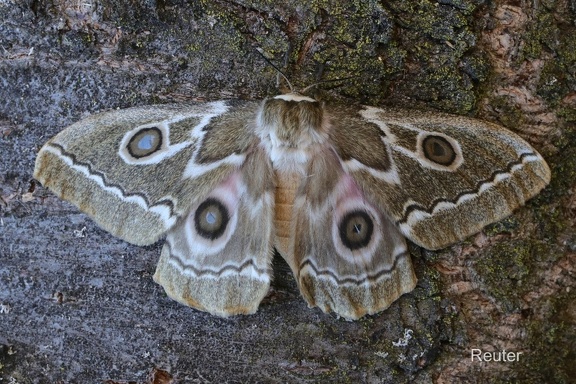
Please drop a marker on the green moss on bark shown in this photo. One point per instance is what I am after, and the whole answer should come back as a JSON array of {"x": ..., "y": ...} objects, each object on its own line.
[{"x": 546, "y": 36}]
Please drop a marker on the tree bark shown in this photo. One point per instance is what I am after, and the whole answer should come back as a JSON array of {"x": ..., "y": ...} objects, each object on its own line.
[{"x": 78, "y": 305}]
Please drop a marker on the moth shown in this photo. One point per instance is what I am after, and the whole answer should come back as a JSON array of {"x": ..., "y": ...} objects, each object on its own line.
[{"x": 335, "y": 189}]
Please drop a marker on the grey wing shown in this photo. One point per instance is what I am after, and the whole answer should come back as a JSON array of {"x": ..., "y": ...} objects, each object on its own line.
[
  {"x": 440, "y": 178},
  {"x": 346, "y": 255},
  {"x": 136, "y": 171},
  {"x": 217, "y": 257}
]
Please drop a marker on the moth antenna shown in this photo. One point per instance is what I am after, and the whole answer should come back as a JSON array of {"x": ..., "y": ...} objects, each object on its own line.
[
  {"x": 326, "y": 81},
  {"x": 276, "y": 68}
]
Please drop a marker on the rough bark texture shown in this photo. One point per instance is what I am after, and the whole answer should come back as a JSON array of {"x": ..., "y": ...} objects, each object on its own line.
[{"x": 79, "y": 306}]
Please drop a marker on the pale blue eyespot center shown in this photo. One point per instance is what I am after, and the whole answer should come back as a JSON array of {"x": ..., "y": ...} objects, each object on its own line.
[
  {"x": 146, "y": 142},
  {"x": 210, "y": 218}
]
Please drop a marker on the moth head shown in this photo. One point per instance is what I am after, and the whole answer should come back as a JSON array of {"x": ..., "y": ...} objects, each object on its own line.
[{"x": 291, "y": 126}]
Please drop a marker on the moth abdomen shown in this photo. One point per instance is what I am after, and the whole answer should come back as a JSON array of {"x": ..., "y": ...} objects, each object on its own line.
[{"x": 287, "y": 185}]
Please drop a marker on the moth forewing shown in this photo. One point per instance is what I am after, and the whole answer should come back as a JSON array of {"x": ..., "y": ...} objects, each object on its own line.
[{"x": 451, "y": 175}]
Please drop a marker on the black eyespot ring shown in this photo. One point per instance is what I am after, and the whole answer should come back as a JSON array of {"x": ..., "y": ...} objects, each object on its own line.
[
  {"x": 356, "y": 229},
  {"x": 145, "y": 142},
  {"x": 438, "y": 150},
  {"x": 211, "y": 219}
]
